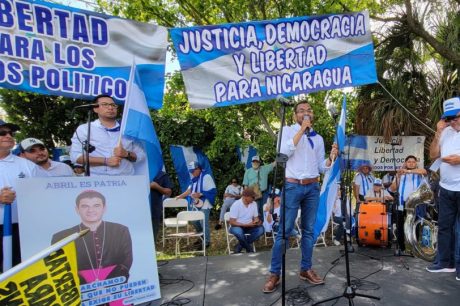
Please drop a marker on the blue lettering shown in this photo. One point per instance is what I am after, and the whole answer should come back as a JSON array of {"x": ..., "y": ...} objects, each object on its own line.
[
  {"x": 37, "y": 73},
  {"x": 80, "y": 30},
  {"x": 6, "y": 15},
  {"x": 37, "y": 51},
  {"x": 6, "y": 48},
  {"x": 22, "y": 47},
  {"x": 44, "y": 20},
  {"x": 62, "y": 17},
  {"x": 24, "y": 16},
  {"x": 88, "y": 61},
  {"x": 100, "y": 33},
  {"x": 15, "y": 76}
]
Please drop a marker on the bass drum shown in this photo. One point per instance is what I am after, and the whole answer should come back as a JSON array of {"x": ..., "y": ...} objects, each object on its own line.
[{"x": 373, "y": 225}]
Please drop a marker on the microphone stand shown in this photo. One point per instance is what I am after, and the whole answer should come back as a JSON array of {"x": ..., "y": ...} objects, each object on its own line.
[
  {"x": 281, "y": 160},
  {"x": 350, "y": 291},
  {"x": 87, "y": 146}
]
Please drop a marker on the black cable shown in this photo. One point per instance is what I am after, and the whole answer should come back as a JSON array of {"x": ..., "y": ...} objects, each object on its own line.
[
  {"x": 175, "y": 300},
  {"x": 297, "y": 296}
]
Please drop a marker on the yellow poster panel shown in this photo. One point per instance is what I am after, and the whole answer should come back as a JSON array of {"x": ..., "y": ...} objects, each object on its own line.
[{"x": 50, "y": 281}]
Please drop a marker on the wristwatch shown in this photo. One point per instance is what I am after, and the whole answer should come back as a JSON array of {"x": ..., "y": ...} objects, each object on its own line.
[{"x": 128, "y": 157}]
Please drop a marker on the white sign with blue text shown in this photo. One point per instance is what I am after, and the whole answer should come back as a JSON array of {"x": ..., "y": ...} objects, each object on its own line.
[
  {"x": 254, "y": 61},
  {"x": 116, "y": 259}
]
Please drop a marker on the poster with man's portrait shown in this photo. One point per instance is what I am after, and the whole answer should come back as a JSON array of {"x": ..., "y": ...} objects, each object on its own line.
[{"x": 116, "y": 258}]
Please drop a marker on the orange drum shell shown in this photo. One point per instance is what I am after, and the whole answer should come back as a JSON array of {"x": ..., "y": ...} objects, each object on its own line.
[{"x": 372, "y": 216}]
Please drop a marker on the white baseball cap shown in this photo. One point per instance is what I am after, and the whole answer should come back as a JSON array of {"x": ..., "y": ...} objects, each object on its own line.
[{"x": 28, "y": 143}]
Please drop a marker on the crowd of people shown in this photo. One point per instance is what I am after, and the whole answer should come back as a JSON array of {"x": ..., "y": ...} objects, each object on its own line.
[{"x": 251, "y": 209}]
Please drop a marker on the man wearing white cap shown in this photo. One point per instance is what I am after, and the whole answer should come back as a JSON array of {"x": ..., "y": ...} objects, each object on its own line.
[
  {"x": 203, "y": 192},
  {"x": 12, "y": 168},
  {"x": 446, "y": 146},
  {"x": 362, "y": 183},
  {"x": 377, "y": 193},
  {"x": 34, "y": 150},
  {"x": 257, "y": 178}
]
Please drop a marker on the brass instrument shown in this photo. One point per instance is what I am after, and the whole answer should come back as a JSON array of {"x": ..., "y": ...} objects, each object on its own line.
[{"x": 414, "y": 228}]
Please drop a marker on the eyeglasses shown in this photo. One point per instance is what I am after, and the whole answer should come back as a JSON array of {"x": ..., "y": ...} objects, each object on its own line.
[
  {"x": 108, "y": 105},
  {"x": 7, "y": 132},
  {"x": 234, "y": 182}
]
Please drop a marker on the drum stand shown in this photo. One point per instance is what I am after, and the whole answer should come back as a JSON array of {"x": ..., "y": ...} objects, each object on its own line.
[{"x": 350, "y": 291}]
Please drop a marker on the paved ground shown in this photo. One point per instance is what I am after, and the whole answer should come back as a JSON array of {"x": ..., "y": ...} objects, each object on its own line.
[{"x": 236, "y": 280}]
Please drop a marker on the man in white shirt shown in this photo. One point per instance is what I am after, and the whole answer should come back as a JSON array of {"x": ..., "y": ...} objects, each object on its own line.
[
  {"x": 305, "y": 151},
  {"x": 407, "y": 180},
  {"x": 446, "y": 146},
  {"x": 34, "y": 150},
  {"x": 12, "y": 168},
  {"x": 377, "y": 193},
  {"x": 244, "y": 220},
  {"x": 108, "y": 155}
]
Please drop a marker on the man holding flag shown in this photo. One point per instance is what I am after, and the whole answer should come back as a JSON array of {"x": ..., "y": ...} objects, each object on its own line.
[
  {"x": 305, "y": 151},
  {"x": 112, "y": 154},
  {"x": 12, "y": 168}
]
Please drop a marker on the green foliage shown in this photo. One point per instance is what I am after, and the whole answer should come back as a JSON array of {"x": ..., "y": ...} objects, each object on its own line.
[{"x": 48, "y": 118}]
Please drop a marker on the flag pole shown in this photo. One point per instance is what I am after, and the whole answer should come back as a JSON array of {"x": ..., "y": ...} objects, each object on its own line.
[{"x": 42, "y": 254}]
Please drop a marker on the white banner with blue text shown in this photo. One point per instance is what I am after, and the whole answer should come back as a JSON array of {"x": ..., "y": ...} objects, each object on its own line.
[
  {"x": 383, "y": 155},
  {"x": 254, "y": 61},
  {"x": 53, "y": 49}
]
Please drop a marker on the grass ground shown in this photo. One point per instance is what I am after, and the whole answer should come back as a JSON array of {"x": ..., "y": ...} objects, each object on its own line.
[{"x": 218, "y": 245}]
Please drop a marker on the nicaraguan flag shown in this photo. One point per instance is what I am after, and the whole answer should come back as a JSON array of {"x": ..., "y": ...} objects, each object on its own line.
[
  {"x": 357, "y": 147},
  {"x": 331, "y": 179},
  {"x": 181, "y": 157},
  {"x": 136, "y": 123},
  {"x": 245, "y": 155},
  {"x": 7, "y": 238}
]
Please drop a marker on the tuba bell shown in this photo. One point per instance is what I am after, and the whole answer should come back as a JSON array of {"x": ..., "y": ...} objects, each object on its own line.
[{"x": 421, "y": 234}]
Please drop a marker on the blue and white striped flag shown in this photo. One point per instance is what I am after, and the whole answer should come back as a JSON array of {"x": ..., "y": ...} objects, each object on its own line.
[
  {"x": 181, "y": 157},
  {"x": 245, "y": 155},
  {"x": 331, "y": 179},
  {"x": 136, "y": 123},
  {"x": 7, "y": 238},
  {"x": 359, "y": 151}
]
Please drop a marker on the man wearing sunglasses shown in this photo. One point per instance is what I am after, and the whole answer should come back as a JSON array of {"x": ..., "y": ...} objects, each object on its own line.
[
  {"x": 12, "y": 168},
  {"x": 446, "y": 146},
  {"x": 108, "y": 155},
  {"x": 34, "y": 150}
]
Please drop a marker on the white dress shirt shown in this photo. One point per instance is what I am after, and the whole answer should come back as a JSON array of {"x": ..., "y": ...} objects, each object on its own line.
[
  {"x": 105, "y": 141},
  {"x": 304, "y": 161}
]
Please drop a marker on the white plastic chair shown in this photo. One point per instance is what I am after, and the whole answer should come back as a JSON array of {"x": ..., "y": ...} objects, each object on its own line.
[
  {"x": 186, "y": 217},
  {"x": 172, "y": 203},
  {"x": 230, "y": 236}
]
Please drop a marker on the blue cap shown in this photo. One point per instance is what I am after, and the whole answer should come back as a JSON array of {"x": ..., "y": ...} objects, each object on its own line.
[
  {"x": 12, "y": 126},
  {"x": 378, "y": 182},
  {"x": 451, "y": 107}
]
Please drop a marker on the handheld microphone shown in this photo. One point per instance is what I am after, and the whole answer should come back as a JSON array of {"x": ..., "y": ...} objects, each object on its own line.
[
  {"x": 86, "y": 106},
  {"x": 307, "y": 131}
]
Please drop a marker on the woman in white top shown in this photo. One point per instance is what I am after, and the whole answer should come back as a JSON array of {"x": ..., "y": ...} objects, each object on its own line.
[{"x": 231, "y": 194}]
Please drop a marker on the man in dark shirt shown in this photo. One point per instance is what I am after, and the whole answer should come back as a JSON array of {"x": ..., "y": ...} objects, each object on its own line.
[
  {"x": 106, "y": 251},
  {"x": 159, "y": 187}
]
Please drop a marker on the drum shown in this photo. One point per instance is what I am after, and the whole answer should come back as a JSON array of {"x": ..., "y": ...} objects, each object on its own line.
[{"x": 373, "y": 224}]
